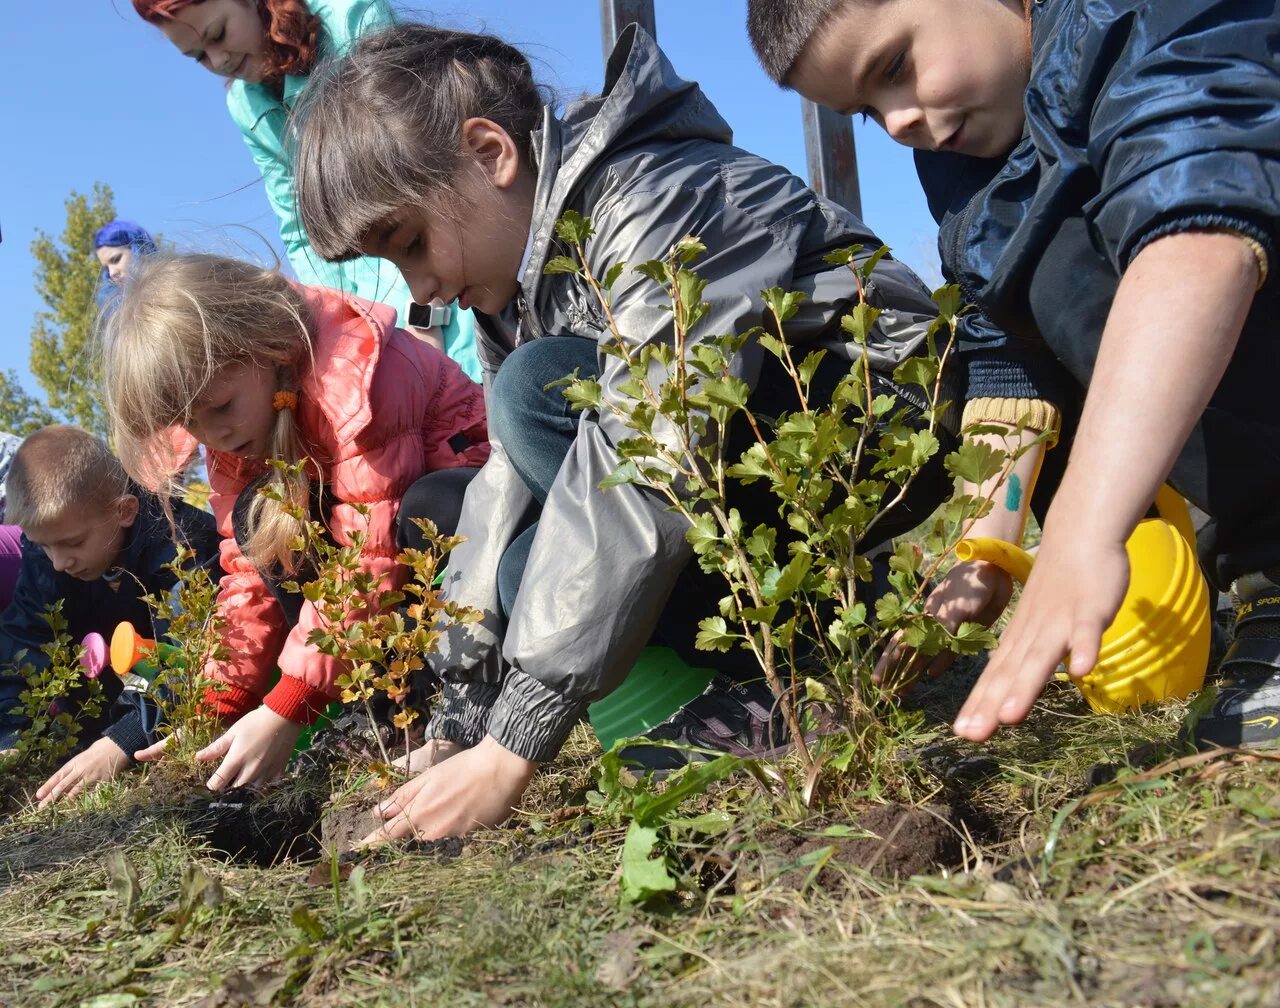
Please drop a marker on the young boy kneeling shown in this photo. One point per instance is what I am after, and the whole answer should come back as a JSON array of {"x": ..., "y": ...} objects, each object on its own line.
[{"x": 100, "y": 544}]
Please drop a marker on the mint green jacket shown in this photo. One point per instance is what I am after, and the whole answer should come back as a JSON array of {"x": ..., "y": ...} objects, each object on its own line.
[{"x": 262, "y": 116}]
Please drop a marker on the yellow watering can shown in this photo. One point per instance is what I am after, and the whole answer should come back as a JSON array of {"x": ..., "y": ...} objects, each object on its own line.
[{"x": 1158, "y": 645}]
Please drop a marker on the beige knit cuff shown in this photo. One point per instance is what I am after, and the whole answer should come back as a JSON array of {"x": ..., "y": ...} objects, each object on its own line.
[{"x": 1037, "y": 415}]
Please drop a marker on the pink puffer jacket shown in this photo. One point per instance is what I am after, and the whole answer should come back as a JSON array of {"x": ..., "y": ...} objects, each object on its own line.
[{"x": 379, "y": 409}]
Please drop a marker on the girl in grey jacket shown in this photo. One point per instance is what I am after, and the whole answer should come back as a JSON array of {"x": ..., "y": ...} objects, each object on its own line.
[{"x": 435, "y": 149}]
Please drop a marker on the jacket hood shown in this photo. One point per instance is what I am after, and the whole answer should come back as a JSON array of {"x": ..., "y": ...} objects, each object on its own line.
[{"x": 643, "y": 100}]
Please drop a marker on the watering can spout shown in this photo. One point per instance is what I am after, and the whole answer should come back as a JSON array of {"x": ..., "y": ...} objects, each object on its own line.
[
  {"x": 1009, "y": 558},
  {"x": 1158, "y": 645}
]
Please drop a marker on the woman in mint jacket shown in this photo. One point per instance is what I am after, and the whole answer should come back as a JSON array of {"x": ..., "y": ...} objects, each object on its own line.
[{"x": 268, "y": 48}]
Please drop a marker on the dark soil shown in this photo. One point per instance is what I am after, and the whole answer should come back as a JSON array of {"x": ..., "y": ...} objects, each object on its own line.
[
  {"x": 904, "y": 840},
  {"x": 256, "y": 828}
]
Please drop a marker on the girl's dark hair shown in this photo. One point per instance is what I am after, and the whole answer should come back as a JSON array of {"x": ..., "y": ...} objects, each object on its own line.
[{"x": 380, "y": 129}]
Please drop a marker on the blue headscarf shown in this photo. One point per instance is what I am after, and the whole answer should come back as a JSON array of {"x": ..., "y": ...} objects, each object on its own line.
[{"x": 119, "y": 233}]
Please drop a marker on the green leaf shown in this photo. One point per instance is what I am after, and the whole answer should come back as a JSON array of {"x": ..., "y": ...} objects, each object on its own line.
[
  {"x": 783, "y": 304},
  {"x": 611, "y": 275},
  {"x": 574, "y": 229},
  {"x": 689, "y": 248},
  {"x": 976, "y": 461},
  {"x": 809, "y": 366},
  {"x": 728, "y": 391},
  {"x": 655, "y": 270},
  {"x": 562, "y": 264},
  {"x": 872, "y": 261},
  {"x": 714, "y": 635},
  {"x": 778, "y": 586},
  {"x": 626, "y": 473},
  {"x": 708, "y": 824},
  {"x": 842, "y": 257},
  {"x": 859, "y": 322},
  {"x": 921, "y": 371},
  {"x": 584, "y": 394},
  {"x": 948, "y": 301},
  {"x": 815, "y": 691},
  {"x": 644, "y": 875}
]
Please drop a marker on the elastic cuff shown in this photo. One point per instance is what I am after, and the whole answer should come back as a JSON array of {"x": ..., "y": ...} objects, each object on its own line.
[
  {"x": 228, "y": 703},
  {"x": 293, "y": 699},
  {"x": 1026, "y": 414},
  {"x": 461, "y": 715},
  {"x": 532, "y": 720},
  {"x": 127, "y": 733}
]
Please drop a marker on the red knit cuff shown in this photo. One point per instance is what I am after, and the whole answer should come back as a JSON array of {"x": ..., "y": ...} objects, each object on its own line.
[
  {"x": 228, "y": 703},
  {"x": 293, "y": 699}
]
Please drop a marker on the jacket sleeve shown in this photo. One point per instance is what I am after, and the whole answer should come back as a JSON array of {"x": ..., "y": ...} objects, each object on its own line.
[
  {"x": 253, "y": 623},
  {"x": 22, "y": 628},
  {"x": 1185, "y": 131},
  {"x": 603, "y": 562}
]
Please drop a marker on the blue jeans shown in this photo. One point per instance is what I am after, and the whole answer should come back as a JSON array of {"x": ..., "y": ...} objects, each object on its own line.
[{"x": 537, "y": 426}]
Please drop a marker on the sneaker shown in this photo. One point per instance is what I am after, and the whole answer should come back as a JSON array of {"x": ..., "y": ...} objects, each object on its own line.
[
  {"x": 1246, "y": 711},
  {"x": 729, "y": 717}
]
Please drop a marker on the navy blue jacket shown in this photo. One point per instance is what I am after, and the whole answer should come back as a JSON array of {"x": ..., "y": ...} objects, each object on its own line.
[
  {"x": 97, "y": 606},
  {"x": 1143, "y": 119}
]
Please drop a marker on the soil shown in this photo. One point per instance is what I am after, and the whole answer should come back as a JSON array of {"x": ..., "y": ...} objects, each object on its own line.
[
  {"x": 248, "y": 827},
  {"x": 904, "y": 840}
]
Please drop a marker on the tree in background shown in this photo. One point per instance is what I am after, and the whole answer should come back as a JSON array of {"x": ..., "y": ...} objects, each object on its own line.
[
  {"x": 62, "y": 351},
  {"x": 20, "y": 413}
]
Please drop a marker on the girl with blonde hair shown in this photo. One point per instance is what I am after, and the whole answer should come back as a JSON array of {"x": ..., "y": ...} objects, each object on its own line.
[{"x": 254, "y": 367}]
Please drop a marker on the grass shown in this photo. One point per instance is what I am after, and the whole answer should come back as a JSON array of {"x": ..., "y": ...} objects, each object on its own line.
[{"x": 1161, "y": 886}]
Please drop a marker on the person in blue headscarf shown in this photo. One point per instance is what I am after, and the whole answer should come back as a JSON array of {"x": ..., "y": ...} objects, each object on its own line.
[{"x": 116, "y": 244}]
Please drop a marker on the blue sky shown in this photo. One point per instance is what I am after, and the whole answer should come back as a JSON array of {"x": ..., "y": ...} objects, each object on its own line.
[{"x": 95, "y": 94}]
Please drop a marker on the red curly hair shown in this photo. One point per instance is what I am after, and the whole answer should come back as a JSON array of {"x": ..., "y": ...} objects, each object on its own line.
[{"x": 293, "y": 32}]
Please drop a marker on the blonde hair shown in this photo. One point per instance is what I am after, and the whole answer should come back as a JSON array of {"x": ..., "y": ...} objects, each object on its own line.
[
  {"x": 180, "y": 320},
  {"x": 58, "y": 468}
]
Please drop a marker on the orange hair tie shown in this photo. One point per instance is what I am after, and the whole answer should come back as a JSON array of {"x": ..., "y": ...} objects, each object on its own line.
[{"x": 285, "y": 400}]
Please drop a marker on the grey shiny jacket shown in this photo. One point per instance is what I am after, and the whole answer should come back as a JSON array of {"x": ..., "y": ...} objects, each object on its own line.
[{"x": 649, "y": 161}]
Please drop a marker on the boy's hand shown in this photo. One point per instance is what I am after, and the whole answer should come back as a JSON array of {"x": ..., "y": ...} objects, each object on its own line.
[
  {"x": 1073, "y": 594},
  {"x": 972, "y": 592},
  {"x": 100, "y": 762},
  {"x": 472, "y": 790},
  {"x": 255, "y": 750}
]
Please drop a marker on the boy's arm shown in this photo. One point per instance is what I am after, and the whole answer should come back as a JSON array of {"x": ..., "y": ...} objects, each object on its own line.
[
  {"x": 22, "y": 628},
  {"x": 1171, "y": 332}
]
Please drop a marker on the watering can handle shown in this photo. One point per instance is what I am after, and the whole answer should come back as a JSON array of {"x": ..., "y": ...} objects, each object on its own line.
[{"x": 1172, "y": 508}]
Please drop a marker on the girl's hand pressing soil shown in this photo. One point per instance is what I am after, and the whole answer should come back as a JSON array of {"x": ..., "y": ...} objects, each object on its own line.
[
  {"x": 254, "y": 751},
  {"x": 475, "y": 789},
  {"x": 100, "y": 762}
]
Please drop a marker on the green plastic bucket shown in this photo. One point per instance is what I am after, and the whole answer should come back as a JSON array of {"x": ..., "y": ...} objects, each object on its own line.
[{"x": 659, "y": 685}]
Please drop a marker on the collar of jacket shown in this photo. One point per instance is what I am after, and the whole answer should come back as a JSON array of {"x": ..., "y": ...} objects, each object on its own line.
[
  {"x": 643, "y": 99},
  {"x": 347, "y": 341}
]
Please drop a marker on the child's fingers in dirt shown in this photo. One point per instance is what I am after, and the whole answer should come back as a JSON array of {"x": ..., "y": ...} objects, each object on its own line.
[
  {"x": 153, "y": 752},
  {"x": 52, "y": 789},
  {"x": 400, "y": 798}
]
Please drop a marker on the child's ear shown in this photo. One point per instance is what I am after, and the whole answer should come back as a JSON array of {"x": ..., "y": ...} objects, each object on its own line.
[
  {"x": 493, "y": 149},
  {"x": 127, "y": 509}
]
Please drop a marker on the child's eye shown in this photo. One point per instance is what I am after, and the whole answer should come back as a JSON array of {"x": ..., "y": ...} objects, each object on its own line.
[
  {"x": 414, "y": 246},
  {"x": 894, "y": 70},
  {"x": 221, "y": 32}
]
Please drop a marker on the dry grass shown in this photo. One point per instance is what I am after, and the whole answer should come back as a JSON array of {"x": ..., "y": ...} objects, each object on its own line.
[{"x": 1161, "y": 887}]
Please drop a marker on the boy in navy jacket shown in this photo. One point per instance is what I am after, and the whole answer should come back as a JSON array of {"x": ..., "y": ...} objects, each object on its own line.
[
  {"x": 1106, "y": 175},
  {"x": 100, "y": 544}
]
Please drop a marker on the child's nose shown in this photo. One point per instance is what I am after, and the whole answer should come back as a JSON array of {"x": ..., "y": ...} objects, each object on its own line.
[{"x": 903, "y": 124}]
